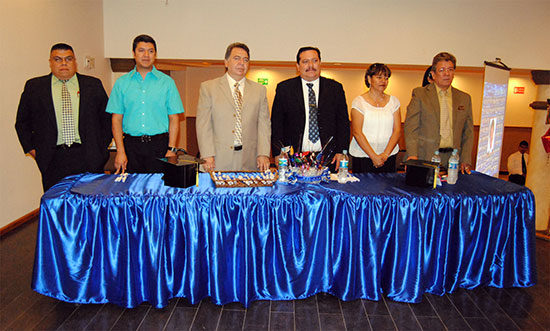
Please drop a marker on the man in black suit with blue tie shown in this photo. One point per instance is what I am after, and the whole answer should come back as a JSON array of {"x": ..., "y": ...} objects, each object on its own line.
[
  {"x": 309, "y": 110},
  {"x": 61, "y": 120}
]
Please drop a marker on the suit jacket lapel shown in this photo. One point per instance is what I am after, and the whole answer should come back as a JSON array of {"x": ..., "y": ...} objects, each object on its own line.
[
  {"x": 434, "y": 103},
  {"x": 455, "y": 128},
  {"x": 226, "y": 91},
  {"x": 456, "y": 102},
  {"x": 299, "y": 97},
  {"x": 82, "y": 100},
  {"x": 322, "y": 93},
  {"x": 48, "y": 101},
  {"x": 247, "y": 90}
]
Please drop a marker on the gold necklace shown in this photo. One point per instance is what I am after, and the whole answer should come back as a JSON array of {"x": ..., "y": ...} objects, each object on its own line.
[{"x": 377, "y": 102}]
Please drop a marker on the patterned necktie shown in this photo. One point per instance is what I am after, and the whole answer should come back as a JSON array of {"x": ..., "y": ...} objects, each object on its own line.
[
  {"x": 523, "y": 165},
  {"x": 69, "y": 133},
  {"x": 313, "y": 126},
  {"x": 444, "y": 124},
  {"x": 237, "y": 96}
]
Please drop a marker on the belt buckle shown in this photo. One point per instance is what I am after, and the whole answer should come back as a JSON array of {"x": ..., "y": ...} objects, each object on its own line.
[
  {"x": 145, "y": 139},
  {"x": 238, "y": 148}
]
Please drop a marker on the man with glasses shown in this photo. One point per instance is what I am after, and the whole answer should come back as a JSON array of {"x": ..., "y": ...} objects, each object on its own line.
[
  {"x": 439, "y": 117},
  {"x": 61, "y": 120}
]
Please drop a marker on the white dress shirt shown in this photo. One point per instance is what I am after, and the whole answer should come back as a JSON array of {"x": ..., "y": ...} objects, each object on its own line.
[{"x": 514, "y": 163}]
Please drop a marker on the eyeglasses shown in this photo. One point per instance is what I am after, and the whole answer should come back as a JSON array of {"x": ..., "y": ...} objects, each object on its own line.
[
  {"x": 446, "y": 69},
  {"x": 58, "y": 59}
]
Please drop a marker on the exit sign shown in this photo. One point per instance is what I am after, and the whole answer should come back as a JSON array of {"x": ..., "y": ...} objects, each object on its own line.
[
  {"x": 519, "y": 90},
  {"x": 263, "y": 81}
]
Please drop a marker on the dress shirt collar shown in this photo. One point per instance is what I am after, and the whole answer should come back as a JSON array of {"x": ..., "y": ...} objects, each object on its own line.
[
  {"x": 154, "y": 73},
  {"x": 71, "y": 81},
  {"x": 438, "y": 90},
  {"x": 315, "y": 85},
  {"x": 232, "y": 82}
]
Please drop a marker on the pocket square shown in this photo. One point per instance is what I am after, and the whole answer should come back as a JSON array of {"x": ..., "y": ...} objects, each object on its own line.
[{"x": 461, "y": 107}]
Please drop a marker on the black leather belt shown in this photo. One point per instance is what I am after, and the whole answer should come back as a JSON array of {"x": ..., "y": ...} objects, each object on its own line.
[
  {"x": 145, "y": 138},
  {"x": 238, "y": 148},
  {"x": 65, "y": 146},
  {"x": 446, "y": 150}
]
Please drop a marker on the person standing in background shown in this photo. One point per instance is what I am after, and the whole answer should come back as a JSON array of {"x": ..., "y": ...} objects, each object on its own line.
[{"x": 517, "y": 164}]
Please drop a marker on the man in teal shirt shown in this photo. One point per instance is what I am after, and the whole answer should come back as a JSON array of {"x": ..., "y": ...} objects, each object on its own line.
[{"x": 145, "y": 104}]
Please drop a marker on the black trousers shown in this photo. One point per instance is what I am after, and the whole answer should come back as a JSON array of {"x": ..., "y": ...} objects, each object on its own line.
[
  {"x": 65, "y": 162},
  {"x": 143, "y": 156},
  {"x": 364, "y": 164},
  {"x": 518, "y": 179}
]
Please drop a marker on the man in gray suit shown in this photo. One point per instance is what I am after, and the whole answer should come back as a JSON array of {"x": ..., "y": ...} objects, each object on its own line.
[
  {"x": 233, "y": 124},
  {"x": 439, "y": 117}
]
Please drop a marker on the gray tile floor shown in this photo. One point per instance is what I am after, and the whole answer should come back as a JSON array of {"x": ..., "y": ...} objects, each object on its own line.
[{"x": 480, "y": 309}]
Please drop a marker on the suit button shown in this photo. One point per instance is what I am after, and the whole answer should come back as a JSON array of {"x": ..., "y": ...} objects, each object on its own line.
[{"x": 230, "y": 147}]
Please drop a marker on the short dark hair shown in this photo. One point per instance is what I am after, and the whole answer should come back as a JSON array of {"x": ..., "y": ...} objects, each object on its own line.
[
  {"x": 443, "y": 56},
  {"x": 61, "y": 46},
  {"x": 524, "y": 143},
  {"x": 145, "y": 39},
  {"x": 375, "y": 69},
  {"x": 427, "y": 76},
  {"x": 236, "y": 45},
  {"x": 307, "y": 48}
]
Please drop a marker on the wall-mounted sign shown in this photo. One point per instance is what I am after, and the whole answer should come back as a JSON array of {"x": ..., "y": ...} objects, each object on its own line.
[
  {"x": 263, "y": 81},
  {"x": 519, "y": 90}
]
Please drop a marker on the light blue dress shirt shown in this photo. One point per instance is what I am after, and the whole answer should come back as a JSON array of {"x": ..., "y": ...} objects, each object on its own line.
[{"x": 145, "y": 103}]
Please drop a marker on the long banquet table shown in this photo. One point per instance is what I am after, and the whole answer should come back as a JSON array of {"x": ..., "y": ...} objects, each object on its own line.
[{"x": 128, "y": 242}]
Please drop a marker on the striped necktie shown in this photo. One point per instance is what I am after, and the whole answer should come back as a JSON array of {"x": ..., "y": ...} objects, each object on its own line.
[{"x": 237, "y": 96}]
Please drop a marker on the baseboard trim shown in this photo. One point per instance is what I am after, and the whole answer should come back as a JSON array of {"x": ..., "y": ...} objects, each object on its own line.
[{"x": 18, "y": 222}]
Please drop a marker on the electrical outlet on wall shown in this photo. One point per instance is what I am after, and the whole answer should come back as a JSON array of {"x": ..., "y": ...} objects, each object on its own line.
[{"x": 89, "y": 62}]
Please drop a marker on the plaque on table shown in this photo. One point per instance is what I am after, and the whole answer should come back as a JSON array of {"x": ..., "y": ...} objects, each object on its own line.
[
  {"x": 181, "y": 171},
  {"x": 421, "y": 173}
]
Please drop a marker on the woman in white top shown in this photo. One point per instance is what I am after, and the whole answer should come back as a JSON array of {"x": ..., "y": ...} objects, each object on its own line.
[{"x": 376, "y": 124}]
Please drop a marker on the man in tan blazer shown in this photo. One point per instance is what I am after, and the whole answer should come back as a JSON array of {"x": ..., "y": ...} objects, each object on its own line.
[
  {"x": 428, "y": 129},
  {"x": 233, "y": 124}
]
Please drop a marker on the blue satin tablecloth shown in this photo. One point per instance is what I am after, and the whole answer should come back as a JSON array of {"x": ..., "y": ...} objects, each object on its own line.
[{"x": 129, "y": 242}]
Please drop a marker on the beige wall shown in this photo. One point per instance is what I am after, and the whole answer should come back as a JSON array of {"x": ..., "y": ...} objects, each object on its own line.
[
  {"x": 390, "y": 31},
  {"x": 401, "y": 84},
  {"x": 29, "y": 28}
]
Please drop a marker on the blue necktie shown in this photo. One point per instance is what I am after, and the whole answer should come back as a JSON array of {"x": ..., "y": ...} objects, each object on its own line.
[{"x": 313, "y": 126}]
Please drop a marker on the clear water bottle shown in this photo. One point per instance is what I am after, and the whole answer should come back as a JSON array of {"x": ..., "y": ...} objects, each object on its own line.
[
  {"x": 436, "y": 159},
  {"x": 283, "y": 167},
  {"x": 343, "y": 168},
  {"x": 452, "y": 175}
]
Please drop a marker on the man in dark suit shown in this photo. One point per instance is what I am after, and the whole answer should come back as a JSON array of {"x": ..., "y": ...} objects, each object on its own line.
[
  {"x": 309, "y": 110},
  {"x": 61, "y": 120},
  {"x": 439, "y": 117}
]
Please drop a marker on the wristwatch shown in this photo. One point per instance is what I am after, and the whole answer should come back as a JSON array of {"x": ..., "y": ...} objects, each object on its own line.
[{"x": 172, "y": 149}]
